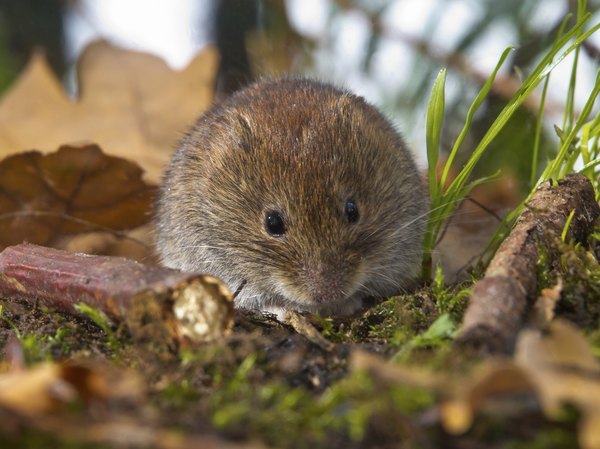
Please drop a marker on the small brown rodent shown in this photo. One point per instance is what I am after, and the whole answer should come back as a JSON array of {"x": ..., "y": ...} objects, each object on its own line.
[{"x": 302, "y": 194}]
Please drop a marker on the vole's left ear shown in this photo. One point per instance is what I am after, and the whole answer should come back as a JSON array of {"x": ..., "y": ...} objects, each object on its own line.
[
  {"x": 352, "y": 108},
  {"x": 240, "y": 131},
  {"x": 343, "y": 105}
]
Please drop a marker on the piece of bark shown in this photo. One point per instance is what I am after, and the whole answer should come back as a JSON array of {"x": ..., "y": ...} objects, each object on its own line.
[
  {"x": 157, "y": 304},
  {"x": 501, "y": 300}
]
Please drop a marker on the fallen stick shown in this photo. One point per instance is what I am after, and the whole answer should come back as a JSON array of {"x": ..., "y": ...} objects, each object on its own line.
[
  {"x": 157, "y": 304},
  {"x": 501, "y": 300}
]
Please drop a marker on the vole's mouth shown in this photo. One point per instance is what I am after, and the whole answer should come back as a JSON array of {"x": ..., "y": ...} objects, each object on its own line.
[
  {"x": 327, "y": 299},
  {"x": 322, "y": 292}
]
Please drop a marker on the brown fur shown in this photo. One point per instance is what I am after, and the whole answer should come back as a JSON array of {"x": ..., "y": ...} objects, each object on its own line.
[{"x": 302, "y": 148}]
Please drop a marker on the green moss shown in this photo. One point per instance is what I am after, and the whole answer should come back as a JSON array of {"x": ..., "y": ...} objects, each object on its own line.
[
  {"x": 396, "y": 320},
  {"x": 289, "y": 417},
  {"x": 332, "y": 329},
  {"x": 113, "y": 339},
  {"x": 439, "y": 334},
  {"x": 579, "y": 271},
  {"x": 40, "y": 347},
  {"x": 179, "y": 394},
  {"x": 37, "y": 348},
  {"x": 426, "y": 319},
  {"x": 580, "y": 299}
]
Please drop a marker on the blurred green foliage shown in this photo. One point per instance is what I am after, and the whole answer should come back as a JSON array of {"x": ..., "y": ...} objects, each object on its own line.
[{"x": 27, "y": 26}]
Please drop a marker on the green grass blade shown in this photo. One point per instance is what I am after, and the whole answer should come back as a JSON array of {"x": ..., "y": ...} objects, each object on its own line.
[
  {"x": 483, "y": 93},
  {"x": 447, "y": 200},
  {"x": 563, "y": 234},
  {"x": 538, "y": 74},
  {"x": 435, "y": 120},
  {"x": 538, "y": 133},
  {"x": 569, "y": 115},
  {"x": 557, "y": 168}
]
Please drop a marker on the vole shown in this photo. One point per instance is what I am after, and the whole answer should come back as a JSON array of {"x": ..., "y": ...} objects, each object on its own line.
[{"x": 297, "y": 194}]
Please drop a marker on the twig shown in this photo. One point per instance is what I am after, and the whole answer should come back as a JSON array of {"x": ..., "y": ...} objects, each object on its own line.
[
  {"x": 158, "y": 305},
  {"x": 500, "y": 302}
]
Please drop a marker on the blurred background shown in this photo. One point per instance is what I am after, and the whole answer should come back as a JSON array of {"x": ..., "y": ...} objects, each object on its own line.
[{"x": 386, "y": 50}]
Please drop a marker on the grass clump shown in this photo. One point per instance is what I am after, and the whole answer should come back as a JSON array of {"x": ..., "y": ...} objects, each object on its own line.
[
  {"x": 578, "y": 136},
  {"x": 449, "y": 300}
]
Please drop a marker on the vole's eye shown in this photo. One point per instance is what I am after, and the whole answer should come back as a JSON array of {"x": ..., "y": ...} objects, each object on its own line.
[
  {"x": 274, "y": 224},
  {"x": 351, "y": 211}
]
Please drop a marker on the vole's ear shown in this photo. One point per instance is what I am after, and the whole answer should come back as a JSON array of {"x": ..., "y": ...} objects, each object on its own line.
[
  {"x": 351, "y": 108},
  {"x": 344, "y": 104},
  {"x": 241, "y": 132}
]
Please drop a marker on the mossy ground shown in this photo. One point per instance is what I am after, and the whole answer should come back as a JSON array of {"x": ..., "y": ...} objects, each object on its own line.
[{"x": 266, "y": 383}]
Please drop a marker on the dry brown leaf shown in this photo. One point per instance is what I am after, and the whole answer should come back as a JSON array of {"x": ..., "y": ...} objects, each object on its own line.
[
  {"x": 74, "y": 190},
  {"x": 36, "y": 391},
  {"x": 499, "y": 382},
  {"x": 469, "y": 230},
  {"x": 556, "y": 365},
  {"x": 45, "y": 387},
  {"x": 131, "y": 104},
  {"x": 136, "y": 244},
  {"x": 563, "y": 366},
  {"x": 388, "y": 372},
  {"x": 543, "y": 309},
  {"x": 565, "y": 370}
]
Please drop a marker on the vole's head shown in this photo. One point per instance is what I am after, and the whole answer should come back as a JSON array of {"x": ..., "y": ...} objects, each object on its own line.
[{"x": 303, "y": 191}]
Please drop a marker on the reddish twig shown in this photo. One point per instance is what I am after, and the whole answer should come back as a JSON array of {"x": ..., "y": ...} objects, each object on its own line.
[{"x": 157, "y": 304}]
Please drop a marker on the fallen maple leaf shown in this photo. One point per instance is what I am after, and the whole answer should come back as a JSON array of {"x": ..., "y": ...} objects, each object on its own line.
[
  {"x": 131, "y": 104},
  {"x": 75, "y": 189}
]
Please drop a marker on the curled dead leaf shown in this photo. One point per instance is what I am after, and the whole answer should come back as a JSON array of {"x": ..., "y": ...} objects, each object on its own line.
[
  {"x": 75, "y": 189},
  {"x": 391, "y": 373},
  {"x": 563, "y": 366}
]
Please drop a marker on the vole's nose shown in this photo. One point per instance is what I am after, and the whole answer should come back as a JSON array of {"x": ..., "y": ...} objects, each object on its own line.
[{"x": 325, "y": 282}]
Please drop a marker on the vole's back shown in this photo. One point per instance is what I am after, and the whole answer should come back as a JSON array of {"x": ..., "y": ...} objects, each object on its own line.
[{"x": 301, "y": 191}]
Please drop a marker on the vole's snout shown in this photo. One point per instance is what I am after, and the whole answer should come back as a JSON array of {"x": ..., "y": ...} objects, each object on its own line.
[{"x": 328, "y": 282}]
